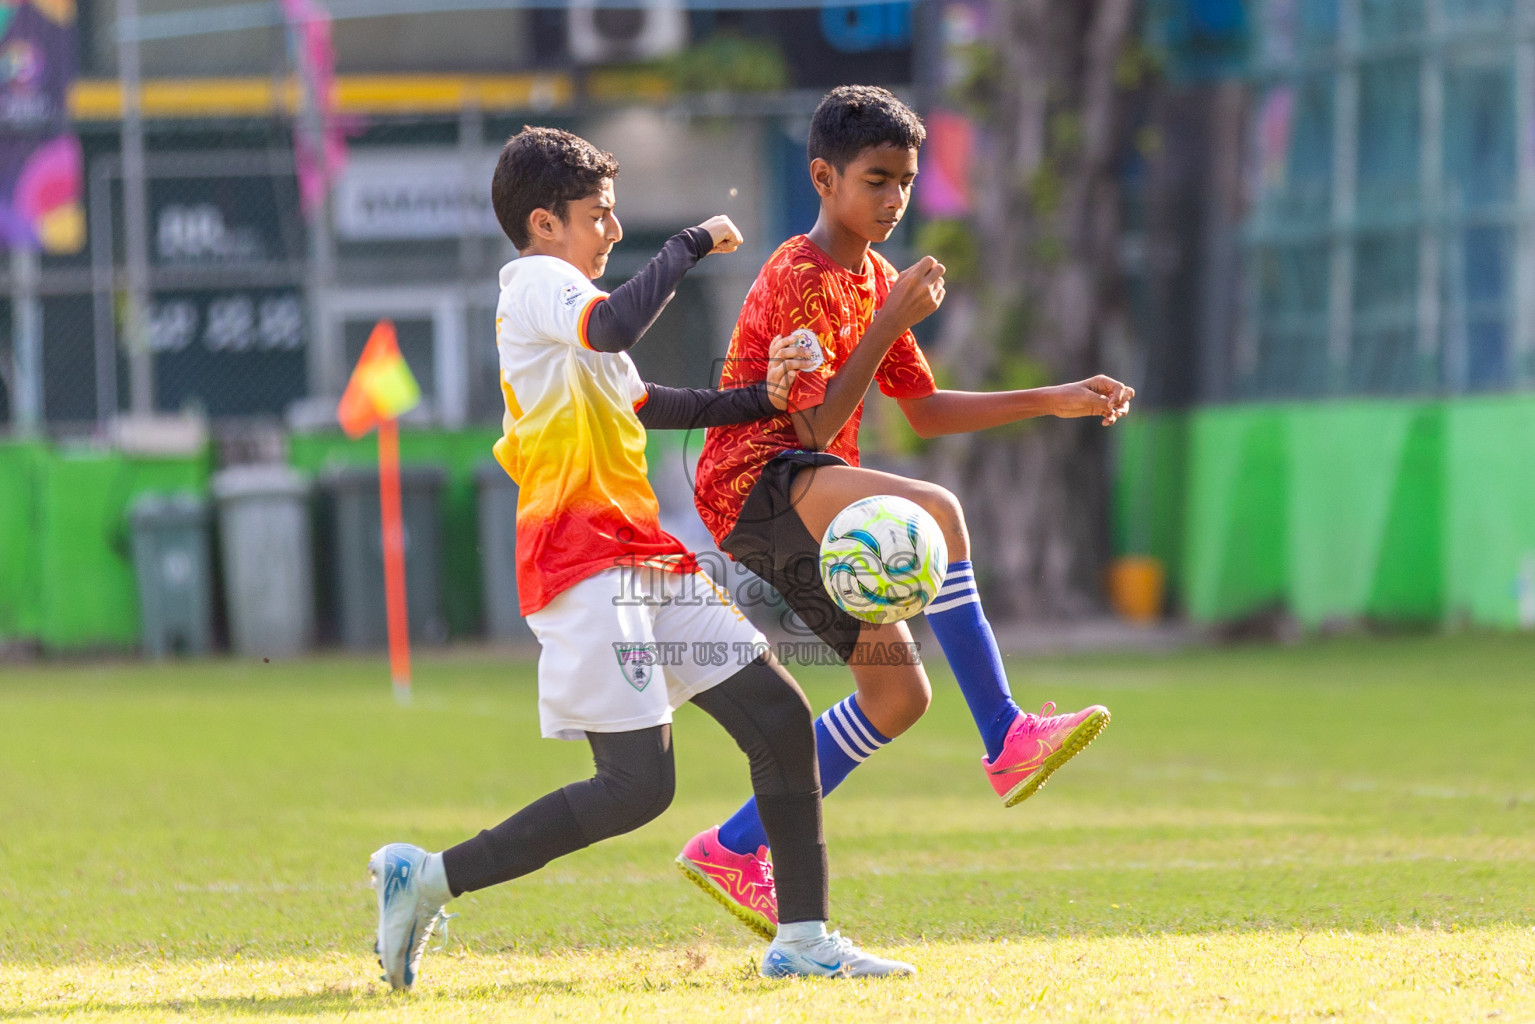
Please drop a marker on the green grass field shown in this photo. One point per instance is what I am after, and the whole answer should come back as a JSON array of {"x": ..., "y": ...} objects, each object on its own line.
[{"x": 1332, "y": 831}]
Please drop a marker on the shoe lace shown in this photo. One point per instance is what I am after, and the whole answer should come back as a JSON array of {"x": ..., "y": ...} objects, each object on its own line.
[
  {"x": 843, "y": 946},
  {"x": 441, "y": 921},
  {"x": 762, "y": 873},
  {"x": 1047, "y": 709}
]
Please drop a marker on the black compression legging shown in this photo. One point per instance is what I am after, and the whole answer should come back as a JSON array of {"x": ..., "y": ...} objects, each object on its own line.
[{"x": 762, "y": 709}]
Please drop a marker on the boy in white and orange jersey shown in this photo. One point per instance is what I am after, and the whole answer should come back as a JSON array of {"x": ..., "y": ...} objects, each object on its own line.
[{"x": 613, "y": 598}]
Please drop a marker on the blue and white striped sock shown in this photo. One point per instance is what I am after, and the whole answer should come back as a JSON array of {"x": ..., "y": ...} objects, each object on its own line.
[
  {"x": 844, "y": 739},
  {"x": 968, "y": 642}
]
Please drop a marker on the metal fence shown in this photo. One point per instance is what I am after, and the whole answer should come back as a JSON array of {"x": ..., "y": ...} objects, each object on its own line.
[
  {"x": 1391, "y": 246},
  {"x": 250, "y": 318}
]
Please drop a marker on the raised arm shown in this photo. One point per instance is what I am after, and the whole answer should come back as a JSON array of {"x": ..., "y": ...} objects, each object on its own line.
[
  {"x": 917, "y": 292},
  {"x": 960, "y": 412},
  {"x": 618, "y": 323}
]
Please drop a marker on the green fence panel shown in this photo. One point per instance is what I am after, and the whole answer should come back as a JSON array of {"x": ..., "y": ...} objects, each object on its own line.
[
  {"x": 1490, "y": 502},
  {"x": 64, "y": 529},
  {"x": 1409, "y": 574},
  {"x": 1236, "y": 536},
  {"x": 20, "y": 467},
  {"x": 1399, "y": 511},
  {"x": 88, "y": 596},
  {"x": 1150, "y": 492},
  {"x": 1361, "y": 503}
]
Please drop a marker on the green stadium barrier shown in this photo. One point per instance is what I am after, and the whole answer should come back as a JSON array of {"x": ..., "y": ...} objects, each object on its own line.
[
  {"x": 66, "y": 569},
  {"x": 1397, "y": 510},
  {"x": 1364, "y": 522},
  {"x": 20, "y": 470},
  {"x": 1150, "y": 489},
  {"x": 1393, "y": 510},
  {"x": 1489, "y": 497}
]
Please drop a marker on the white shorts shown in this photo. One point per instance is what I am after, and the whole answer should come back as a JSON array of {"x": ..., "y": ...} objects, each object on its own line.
[{"x": 624, "y": 649}]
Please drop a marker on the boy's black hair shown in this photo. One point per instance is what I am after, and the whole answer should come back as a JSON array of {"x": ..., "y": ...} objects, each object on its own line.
[
  {"x": 544, "y": 168},
  {"x": 852, "y": 118}
]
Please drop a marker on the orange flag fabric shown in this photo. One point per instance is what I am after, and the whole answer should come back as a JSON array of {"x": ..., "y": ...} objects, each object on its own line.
[{"x": 382, "y": 386}]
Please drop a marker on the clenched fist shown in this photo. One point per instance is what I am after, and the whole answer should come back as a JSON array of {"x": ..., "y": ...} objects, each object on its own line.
[{"x": 727, "y": 237}]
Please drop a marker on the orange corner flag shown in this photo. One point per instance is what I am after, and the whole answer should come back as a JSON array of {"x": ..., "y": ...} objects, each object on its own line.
[{"x": 381, "y": 388}]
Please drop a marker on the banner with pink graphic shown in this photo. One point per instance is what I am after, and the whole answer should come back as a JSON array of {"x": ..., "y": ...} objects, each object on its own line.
[
  {"x": 41, "y": 175},
  {"x": 319, "y": 140}
]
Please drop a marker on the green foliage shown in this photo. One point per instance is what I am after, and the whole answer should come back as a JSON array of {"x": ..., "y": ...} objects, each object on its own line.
[
  {"x": 726, "y": 62},
  {"x": 952, "y": 243},
  {"x": 1148, "y": 141},
  {"x": 975, "y": 90},
  {"x": 1138, "y": 64},
  {"x": 1017, "y": 372},
  {"x": 1065, "y": 133}
]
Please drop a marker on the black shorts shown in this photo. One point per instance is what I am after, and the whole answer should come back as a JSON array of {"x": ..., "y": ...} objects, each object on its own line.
[{"x": 771, "y": 540}]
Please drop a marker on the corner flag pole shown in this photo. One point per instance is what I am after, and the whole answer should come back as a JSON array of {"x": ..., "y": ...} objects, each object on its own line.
[
  {"x": 394, "y": 557},
  {"x": 382, "y": 388}
]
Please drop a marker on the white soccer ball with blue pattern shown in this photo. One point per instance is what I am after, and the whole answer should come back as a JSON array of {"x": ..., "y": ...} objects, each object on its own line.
[{"x": 883, "y": 559}]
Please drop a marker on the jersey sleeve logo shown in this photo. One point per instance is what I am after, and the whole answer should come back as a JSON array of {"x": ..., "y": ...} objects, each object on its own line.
[{"x": 571, "y": 294}]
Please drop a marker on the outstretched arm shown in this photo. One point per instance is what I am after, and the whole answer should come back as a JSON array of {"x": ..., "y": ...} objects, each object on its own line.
[
  {"x": 915, "y": 294},
  {"x": 667, "y": 408},
  {"x": 960, "y": 412},
  {"x": 617, "y": 323}
]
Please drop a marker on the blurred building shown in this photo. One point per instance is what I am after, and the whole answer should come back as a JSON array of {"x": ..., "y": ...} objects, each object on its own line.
[
  {"x": 241, "y": 319},
  {"x": 253, "y": 303},
  {"x": 1335, "y": 272},
  {"x": 1329, "y": 257}
]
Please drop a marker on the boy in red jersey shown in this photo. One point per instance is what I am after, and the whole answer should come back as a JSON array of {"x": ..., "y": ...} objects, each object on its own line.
[{"x": 767, "y": 490}]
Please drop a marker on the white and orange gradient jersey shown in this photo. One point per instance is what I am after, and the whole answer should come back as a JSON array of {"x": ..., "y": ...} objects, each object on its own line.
[{"x": 571, "y": 439}]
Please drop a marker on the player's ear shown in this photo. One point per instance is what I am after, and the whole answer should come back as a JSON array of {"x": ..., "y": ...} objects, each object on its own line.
[
  {"x": 823, "y": 176},
  {"x": 544, "y": 225}
]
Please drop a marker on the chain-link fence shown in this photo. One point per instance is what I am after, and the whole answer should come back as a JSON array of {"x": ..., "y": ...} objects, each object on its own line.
[
  {"x": 243, "y": 324},
  {"x": 1389, "y": 247}
]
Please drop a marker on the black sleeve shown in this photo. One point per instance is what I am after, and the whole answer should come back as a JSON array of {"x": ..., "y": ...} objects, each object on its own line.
[
  {"x": 616, "y": 324},
  {"x": 689, "y": 408}
]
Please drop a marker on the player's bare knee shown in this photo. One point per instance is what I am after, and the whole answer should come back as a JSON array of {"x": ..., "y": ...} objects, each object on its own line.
[
  {"x": 944, "y": 507},
  {"x": 894, "y": 709},
  {"x": 910, "y": 705}
]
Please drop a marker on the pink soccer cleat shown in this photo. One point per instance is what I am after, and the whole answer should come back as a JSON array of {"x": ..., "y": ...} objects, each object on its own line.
[
  {"x": 1039, "y": 744},
  {"x": 741, "y": 882}
]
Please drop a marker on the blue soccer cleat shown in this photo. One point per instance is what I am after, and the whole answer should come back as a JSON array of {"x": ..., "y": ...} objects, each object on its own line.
[
  {"x": 827, "y": 956},
  {"x": 406, "y": 918}
]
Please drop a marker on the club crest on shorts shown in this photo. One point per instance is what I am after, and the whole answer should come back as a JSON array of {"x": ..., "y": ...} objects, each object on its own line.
[{"x": 638, "y": 662}]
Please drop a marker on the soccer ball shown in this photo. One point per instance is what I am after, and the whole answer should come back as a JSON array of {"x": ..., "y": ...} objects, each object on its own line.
[{"x": 883, "y": 559}]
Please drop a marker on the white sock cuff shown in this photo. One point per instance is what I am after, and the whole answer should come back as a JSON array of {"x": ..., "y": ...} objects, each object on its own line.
[
  {"x": 802, "y": 931},
  {"x": 434, "y": 880}
]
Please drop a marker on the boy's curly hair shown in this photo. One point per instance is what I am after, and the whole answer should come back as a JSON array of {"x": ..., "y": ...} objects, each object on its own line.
[
  {"x": 544, "y": 168},
  {"x": 852, "y": 118}
]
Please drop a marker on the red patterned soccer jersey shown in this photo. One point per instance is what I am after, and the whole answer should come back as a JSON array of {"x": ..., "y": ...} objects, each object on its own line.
[{"x": 800, "y": 286}]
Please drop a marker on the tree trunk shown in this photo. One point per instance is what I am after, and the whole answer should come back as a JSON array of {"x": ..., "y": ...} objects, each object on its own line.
[{"x": 1047, "y": 227}]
